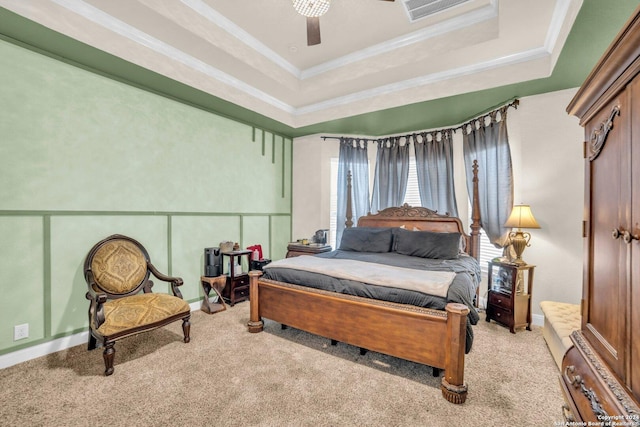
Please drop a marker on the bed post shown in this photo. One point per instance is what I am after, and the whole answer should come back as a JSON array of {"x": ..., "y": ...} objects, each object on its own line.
[
  {"x": 349, "y": 214},
  {"x": 453, "y": 387},
  {"x": 475, "y": 216},
  {"x": 255, "y": 323}
]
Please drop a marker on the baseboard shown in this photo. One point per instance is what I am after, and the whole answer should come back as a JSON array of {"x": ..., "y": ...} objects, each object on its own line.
[
  {"x": 53, "y": 346},
  {"x": 537, "y": 319}
]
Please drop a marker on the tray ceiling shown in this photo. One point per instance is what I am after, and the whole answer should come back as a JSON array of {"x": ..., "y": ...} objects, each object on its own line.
[{"x": 372, "y": 56}]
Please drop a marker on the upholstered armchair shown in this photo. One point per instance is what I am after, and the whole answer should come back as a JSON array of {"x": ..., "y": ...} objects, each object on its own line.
[{"x": 117, "y": 271}]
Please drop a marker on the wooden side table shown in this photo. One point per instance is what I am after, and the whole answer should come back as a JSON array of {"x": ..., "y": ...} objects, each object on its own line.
[
  {"x": 297, "y": 249},
  {"x": 510, "y": 290},
  {"x": 215, "y": 284},
  {"x": 237, "y": 288}
]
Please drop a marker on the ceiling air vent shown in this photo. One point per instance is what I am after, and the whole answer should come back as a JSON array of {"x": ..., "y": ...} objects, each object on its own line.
[{"x": 418, "y": 9}]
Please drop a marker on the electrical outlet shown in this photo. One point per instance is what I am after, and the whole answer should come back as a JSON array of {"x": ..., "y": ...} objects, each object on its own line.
[{"x": 20, "y": 331}]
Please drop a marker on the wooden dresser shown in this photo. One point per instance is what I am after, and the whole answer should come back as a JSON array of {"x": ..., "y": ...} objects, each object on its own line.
[{"x": 601, "y": 373}]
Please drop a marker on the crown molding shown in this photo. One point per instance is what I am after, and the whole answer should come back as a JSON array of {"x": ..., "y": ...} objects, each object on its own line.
[
  {"x": 109, "y": 22},
  {"x": 490, "y": 11},
  {"x": 221, "y": 21}
]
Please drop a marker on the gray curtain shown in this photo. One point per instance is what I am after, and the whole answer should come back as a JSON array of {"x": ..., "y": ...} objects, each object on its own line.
[
  {"x": 353, "y": 157},
  {"x": 434, "y": 167},
  {"x": 392, "y": 173},
  {"x": 485, "y": 139}
]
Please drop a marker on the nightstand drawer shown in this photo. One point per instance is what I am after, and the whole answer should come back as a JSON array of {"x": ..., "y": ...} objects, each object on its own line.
[
  {"x": 500, "y": 315},
  {"x": 241, "y": 293},
  {"x": 237, "y": 289},
  {"x": 239, "y": 281},
  {"x": 499, "y": 300}
]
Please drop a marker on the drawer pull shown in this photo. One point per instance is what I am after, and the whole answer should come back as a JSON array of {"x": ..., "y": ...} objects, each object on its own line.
[
  {"x": 574, "y": 380},
  {"x": 497, "y": 314},
  {"x": 577, "y": 382},
  {"x": 499, "y": 301},
  {"x": 566, "y": 413}
]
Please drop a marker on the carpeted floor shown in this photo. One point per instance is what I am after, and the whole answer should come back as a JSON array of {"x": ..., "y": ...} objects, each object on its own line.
[{"x": 229, "y": 377}]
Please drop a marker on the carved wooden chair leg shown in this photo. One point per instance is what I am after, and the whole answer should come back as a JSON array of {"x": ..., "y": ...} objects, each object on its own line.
[
  {"x": 108, "y": 355},
  {"x": 92, "y": 344},
  {"x": 186, "y": 329}
]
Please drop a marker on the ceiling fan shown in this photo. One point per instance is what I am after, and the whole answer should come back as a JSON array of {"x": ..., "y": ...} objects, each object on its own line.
[{"x": 313, "y": 10}]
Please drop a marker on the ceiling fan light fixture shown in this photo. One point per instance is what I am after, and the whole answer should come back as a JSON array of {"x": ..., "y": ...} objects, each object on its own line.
[{"x": 311, "y": 8}]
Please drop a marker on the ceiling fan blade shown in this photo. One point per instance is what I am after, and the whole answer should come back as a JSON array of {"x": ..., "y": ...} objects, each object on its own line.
[{"x": 313, "y": 31}]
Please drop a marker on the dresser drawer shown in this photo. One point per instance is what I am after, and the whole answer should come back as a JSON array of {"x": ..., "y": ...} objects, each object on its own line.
[
  {"x": 569, "y": 411},
  {"x": 591, "y": 390},
  {"x": 585, "y": 392},
  {"x": 500, "y": 300}
]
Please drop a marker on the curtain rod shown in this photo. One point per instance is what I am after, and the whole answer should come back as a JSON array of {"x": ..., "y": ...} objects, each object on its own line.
[{"x": 513, "y": 102}]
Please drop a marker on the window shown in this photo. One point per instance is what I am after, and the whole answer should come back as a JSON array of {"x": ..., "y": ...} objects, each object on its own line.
[
  {"x": 412, "y": 196},
  {"x": 487, "y": 252}
]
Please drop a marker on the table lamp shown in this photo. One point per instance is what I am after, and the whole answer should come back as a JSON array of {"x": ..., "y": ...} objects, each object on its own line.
[{"x": 521, "y": 217}]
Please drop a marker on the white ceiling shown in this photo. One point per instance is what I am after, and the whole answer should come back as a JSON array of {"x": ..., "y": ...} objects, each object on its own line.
[{"x": 253, "y": 52}]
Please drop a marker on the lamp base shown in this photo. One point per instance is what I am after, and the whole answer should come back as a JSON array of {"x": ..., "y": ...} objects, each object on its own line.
[{"x": 519, "y": 241}]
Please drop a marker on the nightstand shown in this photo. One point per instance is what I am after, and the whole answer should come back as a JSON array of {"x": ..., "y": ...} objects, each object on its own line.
[
  {"x": 297, "y": 249},
  {"x": 510, "y": 289},
  {"x": 237, "y": 288}
]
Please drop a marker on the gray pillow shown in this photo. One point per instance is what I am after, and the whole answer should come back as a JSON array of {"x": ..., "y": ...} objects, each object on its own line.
[
  {"x": 426, "y": 244},
  {"x": 367, "y": 239}
]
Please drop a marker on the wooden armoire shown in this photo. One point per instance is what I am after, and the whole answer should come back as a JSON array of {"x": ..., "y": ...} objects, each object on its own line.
[{"x": 600, "y": 375}]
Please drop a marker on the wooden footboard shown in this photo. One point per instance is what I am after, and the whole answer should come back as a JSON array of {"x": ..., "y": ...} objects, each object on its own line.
[{"x": 431, "y": 337}]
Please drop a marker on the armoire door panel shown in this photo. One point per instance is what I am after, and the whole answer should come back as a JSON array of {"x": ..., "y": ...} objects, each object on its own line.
[
  {"x": 633, "y": 305},
  {"x": 609, "y": 219}
]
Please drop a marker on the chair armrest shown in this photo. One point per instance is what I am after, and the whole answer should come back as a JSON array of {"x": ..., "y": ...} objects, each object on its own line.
[
  {"x": 92, "y": 294},
  {"x": 175, "y": 281},
  {"x": 96, "y": 309}
]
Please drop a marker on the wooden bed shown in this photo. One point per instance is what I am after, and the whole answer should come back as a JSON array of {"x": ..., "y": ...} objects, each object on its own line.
[{"x": 395, "y": 329}]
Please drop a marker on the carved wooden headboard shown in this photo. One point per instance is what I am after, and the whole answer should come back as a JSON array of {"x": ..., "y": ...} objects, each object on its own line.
[{"x": 415, "y": 218}]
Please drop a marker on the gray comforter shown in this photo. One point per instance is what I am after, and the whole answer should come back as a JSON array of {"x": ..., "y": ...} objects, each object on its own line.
[{"x": 462, "y": 290}]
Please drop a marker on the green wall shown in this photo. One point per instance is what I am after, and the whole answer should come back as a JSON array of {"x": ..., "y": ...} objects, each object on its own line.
[{"x": 84, "y": 156}]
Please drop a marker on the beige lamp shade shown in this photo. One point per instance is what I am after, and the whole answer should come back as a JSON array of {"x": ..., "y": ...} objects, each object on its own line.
[{"x": 521, "y": 217}]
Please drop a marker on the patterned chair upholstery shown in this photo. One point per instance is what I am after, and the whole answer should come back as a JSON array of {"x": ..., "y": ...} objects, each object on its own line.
[{"x": 117, "y": 271}]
